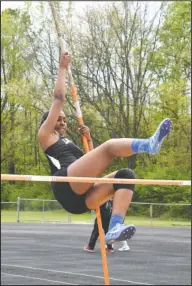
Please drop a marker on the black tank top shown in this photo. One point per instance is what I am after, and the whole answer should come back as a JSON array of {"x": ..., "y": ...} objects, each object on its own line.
[{"x": 62, "y": 153}]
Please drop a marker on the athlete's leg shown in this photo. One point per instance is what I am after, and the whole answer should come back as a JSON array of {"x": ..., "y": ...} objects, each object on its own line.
[
  {"x": 122, "y": 196},
  {"x": 95, "y": 162},
  {"x": 101, "y": 193},
  {"x": 94, "y": 236},
  {"x": 105, "y": 221}
]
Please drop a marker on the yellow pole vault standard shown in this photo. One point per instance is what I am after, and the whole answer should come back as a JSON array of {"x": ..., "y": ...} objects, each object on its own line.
[
  {"x": 85, "y": 143},
  {"x": 36, "y": 178}
]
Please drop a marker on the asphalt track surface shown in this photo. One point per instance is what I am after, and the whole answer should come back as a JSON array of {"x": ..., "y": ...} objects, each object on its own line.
[{"x": 52, "y": 254}]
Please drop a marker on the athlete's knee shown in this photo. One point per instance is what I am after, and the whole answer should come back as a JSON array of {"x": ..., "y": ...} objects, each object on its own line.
[
  {"x": 125, "y": 173},
  {"x": 109, "y": 147}
]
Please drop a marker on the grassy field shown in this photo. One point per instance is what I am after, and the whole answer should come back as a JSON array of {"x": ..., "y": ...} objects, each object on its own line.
[{"x": 62, "y": 216}]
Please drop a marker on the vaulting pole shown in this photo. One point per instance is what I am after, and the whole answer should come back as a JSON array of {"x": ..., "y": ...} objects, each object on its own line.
[{"x": 85, "y": 143}]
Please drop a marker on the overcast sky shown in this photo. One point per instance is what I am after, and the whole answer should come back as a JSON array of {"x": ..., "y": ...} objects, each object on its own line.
[
  {"x": 11, "y": 4},
  {"x": 78, "y": 4},
  {"x": 20, "y": 4}
]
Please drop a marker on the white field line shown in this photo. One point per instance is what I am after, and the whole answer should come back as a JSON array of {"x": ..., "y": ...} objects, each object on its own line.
[
  {"x": 75, "y": 273},
  {"x": 29, "y": 277}
]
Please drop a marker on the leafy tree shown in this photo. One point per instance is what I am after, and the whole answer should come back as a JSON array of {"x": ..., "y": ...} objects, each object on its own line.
[{"x": 131, "y": 71}]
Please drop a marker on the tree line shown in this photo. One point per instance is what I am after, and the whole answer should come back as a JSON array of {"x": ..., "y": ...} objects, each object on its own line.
[{"x": 131, "y": 69}]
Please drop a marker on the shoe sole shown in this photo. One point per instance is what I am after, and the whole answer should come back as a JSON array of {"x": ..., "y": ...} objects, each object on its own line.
[
  {"x": 127, "y": 233},
  {"x": 163, "y": 130}
]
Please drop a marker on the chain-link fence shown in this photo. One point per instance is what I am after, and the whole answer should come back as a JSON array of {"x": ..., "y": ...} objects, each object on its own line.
[
  {"x": 161, "y": 213},
  {"x": 39, "y": 210}
]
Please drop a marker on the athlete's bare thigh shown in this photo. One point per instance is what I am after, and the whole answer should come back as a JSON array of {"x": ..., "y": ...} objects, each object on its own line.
[
  {"x": 92, "y": 164},
  {"x": 100, "y": 193}
]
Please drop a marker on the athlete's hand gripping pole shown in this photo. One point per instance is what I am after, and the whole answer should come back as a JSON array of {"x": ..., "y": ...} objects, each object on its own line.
[{"x": 85, "y": 143}]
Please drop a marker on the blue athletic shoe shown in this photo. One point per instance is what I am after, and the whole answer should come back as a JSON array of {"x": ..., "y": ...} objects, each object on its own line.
[
  {"x": 156, "y": 140},
  {"x": 120, "y": 232}
]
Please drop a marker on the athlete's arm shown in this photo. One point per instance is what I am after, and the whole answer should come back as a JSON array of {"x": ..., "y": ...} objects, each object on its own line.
[{"x": 59, "y": 92}]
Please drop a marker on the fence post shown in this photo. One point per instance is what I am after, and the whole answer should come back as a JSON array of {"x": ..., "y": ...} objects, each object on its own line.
[
  {"x": 43, "y": 210},
  {"x": 151, "y": 213},
  {"x": 18, "y": 209}
]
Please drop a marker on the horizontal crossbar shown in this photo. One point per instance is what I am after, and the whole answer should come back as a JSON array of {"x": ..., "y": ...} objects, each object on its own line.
[{"x": 8, "y": 177}]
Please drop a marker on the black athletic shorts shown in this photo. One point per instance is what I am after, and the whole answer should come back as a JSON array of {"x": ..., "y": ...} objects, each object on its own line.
[{"x": 70, "y": 201}]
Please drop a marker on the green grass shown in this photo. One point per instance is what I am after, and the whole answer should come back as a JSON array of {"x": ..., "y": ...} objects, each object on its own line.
[
  {"x": 62, "y": 216},
  {"x": 143, "y": 221},
  {"x": 58, "y": 215}
]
